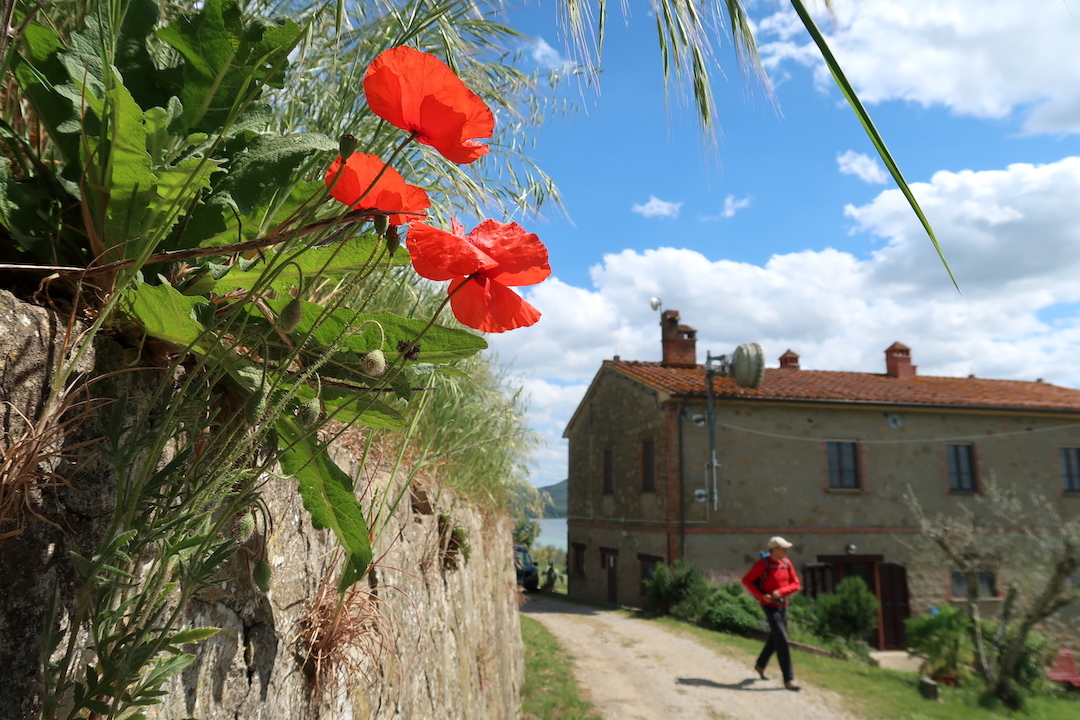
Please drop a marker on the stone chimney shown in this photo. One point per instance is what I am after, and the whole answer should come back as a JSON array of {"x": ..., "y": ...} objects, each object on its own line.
[
  {"x": 789, "y": 360},
  {"x": 898, "y": 361},
  {"x": 679, "y": 341}
]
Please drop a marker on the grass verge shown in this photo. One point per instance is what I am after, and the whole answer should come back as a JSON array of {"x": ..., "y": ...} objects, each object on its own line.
[
  {"x": 550, "y": 691},
  {"x": 872, "y": 692}
]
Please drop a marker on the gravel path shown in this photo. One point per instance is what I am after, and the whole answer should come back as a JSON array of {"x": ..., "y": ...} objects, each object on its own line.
[{"x": 633, "y": 669}]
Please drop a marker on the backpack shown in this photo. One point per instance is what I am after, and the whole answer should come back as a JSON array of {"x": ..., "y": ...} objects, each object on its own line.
[{"x": 760, "y": 582}]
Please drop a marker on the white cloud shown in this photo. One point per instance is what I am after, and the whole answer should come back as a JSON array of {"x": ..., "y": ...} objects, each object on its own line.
[
  {"x": 732, "y": 206},
  {"x": 658, "y": 208},
  {"x": 862, "y": 166},
  {"x": 984, "y": 58},
  {"x": 1010, "y": 236},
  {"x": 544, "y": 55}
]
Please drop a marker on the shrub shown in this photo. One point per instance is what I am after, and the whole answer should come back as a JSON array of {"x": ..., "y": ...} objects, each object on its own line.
[
  {"x": 942, "y": 638},
  {"x": 851, "y": 612},
  {"x": 679, "y": 590},
  {"x": 1030, "y": 671},
  {"x": 730, "y": 609}
]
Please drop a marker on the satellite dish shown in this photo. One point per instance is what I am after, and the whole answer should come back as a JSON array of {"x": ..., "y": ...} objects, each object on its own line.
[
  {"x": 655, "y": 303},
  {"x": 748, "y": 365}
]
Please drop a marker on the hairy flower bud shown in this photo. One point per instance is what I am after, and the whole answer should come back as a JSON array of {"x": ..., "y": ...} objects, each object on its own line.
[
  {"x": 261, "y": 575},
  {"x": 346, "y": 146},
  {"x": 308, "y": 413},
  {"x": 374, "y": 363},
  {"x": 381, "y": 223},
  {"x": 255, "y": 406},
  {"x": 245, "y": 526},
  {"x": 291, "y": 315}
]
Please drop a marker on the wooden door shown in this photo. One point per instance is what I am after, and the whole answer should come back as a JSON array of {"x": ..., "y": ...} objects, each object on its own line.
[
  {"x": 609, "y": 560},
  {"x": 894, "y": 605}
]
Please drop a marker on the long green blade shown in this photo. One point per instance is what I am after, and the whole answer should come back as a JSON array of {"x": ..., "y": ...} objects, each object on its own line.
[{"x": 868, "y": 126}]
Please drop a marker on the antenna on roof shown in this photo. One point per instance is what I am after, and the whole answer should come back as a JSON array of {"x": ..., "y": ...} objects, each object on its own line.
[
  {"x": 656, "y": 303},
  {"x": 746, "y": 365}
]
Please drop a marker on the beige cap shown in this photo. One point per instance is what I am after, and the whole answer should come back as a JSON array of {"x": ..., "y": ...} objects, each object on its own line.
[{"x": 778, "y": 542}]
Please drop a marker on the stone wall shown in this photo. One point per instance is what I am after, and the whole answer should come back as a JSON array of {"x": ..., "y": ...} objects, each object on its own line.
[{"x": 431, "y": 633}]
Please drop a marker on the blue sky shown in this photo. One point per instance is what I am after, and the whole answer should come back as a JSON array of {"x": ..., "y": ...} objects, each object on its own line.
[{"x": 789, "y": 234}]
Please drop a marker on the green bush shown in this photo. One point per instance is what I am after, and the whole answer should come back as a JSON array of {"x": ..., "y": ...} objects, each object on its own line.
[
  {"x": 1031, "y": 665},
  {"x": 680, "y": 590},
  {"x": 730, "y": 609},
  {"x": 851, "y": 612},
  {"x": 942, "y": 638}
]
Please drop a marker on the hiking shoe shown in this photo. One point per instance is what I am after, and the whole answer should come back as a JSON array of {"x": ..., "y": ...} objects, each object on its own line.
[
  {"x": 792, "y": 685},
  {"x": 761, "y": 672}
]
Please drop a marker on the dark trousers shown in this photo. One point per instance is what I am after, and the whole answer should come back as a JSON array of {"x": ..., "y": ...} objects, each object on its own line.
[{"x": 777, "y": 642}]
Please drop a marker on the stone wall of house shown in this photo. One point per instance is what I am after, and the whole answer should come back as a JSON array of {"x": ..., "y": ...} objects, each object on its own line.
[
  {"x": 773, "y": 480},
  {"x": 432, "y": 631}
]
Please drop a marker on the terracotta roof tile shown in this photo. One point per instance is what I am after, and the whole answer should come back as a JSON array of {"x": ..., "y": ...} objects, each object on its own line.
[{"x": 855, "y": 387}]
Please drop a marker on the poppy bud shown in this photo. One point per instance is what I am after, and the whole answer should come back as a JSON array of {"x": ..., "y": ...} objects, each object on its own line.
[
  {"x": 245, "y": 526},
  {"x": 255, "y": 406},
  {"x": 291, "y": 315},
  {"x": 261, "y": 575},
  {"x": 346, "y": 146},
  {"x": 374, "y": 363},
  {"x": 381, "y": 223},
  {"x": 309, "y": 413}
]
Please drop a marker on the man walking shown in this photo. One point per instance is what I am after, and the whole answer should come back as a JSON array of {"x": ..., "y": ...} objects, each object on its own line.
[{"x": 772, "y": 580}]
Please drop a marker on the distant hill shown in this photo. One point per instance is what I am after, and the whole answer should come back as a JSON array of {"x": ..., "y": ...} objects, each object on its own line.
[{"x": 556, "y": 507}]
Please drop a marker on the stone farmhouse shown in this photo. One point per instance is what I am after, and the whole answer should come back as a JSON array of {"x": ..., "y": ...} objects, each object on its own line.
[{"x": 820, "y": 457}]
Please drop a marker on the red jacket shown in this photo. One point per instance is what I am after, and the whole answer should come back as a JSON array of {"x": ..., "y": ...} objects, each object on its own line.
[{"x": 781, "y": 577}]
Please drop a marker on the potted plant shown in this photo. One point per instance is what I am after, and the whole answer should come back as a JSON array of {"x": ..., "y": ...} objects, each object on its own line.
[{"x": 941, "y": 638}]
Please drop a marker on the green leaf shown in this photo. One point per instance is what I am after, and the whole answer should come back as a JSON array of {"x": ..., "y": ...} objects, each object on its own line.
[
  {"x": 868, "y": 126},
  {"x": 97, "y": 706},
  {"x": 227, "y": 59},
  {"x": 192, "y": 635},
  {"x": 267, "y": 164},
  {"x": 165, "y": 313},
  {"x": 331, "y": 261},
  {"x": 327, "y": 493},
  {"x": 38, "y": 74},
  {"x": 361, "y": 407}
]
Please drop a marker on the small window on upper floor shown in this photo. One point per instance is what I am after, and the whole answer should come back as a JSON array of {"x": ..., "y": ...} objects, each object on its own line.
[
  {"x": 961, "y": 460},
  {"x": 987, "y": 584},
  {"x": 648, "y": 466},
  {"x": 1070, "y": 469},
  {"x": 609, "y": 471},
  {"x": 843, "y": 466}
]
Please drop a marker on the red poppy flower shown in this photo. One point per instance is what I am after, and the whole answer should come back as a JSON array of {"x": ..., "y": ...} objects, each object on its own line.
[
  {"x": 358, "y": 188},
  {"x": 480, "y": 267},
  {"x": 418, "y": 93}
]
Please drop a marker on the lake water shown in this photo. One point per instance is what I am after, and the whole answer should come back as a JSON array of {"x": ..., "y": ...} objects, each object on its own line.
[{"x": 552, "y": 532}]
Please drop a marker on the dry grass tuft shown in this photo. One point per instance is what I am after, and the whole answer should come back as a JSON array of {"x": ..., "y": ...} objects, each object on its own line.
[
  {"x": 339, "y": 632},
  {"x": 30, "y": 461}
]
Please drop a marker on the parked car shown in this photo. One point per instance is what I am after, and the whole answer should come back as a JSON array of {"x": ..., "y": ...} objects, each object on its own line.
[{"x": 528, "y": 576}]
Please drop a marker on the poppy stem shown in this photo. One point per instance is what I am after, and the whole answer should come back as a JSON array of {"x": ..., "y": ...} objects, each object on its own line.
[{"x": 435, "y": 315}]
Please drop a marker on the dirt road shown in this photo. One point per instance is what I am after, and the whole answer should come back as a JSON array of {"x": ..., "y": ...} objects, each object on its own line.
[{"x": 632, "y": 669}]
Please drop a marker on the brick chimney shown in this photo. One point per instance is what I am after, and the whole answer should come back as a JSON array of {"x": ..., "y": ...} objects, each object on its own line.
[
  {"x": 898, "y": 361},
  {"x": 790, "y": 360},
  {"x": 679, "y": 341}
]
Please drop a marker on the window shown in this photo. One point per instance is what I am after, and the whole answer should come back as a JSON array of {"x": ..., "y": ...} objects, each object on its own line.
[
  {"x": 648, "y": 466},
  {"x": 609, "y": 472},
  {"x": 647, "y": 564},
  {"x": 987, "y": 584},
  {"x": 961, "y": 467},
  {"x": 577, "y": 559},
  {"x": 1070, "y": 469},
  {"x": 843, "y": 466}
]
